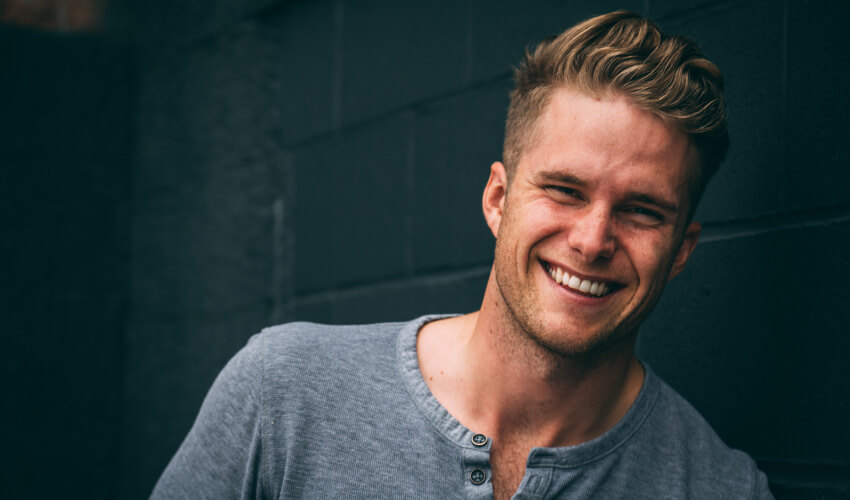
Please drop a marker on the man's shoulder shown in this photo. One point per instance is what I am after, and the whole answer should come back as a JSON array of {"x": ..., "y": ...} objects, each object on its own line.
[
  {"x": 308, "y": 335},
  {"x": 675, "y": 414},
  {"x": 302, "y": 345},
  {"x": 678, "y": 434}
]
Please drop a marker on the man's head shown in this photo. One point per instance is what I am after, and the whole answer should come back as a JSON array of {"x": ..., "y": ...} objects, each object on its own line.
[
  {"x": 623, "y": 54},
  {"x": 613, "y": 131}
]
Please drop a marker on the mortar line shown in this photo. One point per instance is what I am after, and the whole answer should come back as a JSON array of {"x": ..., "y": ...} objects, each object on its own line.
[
  {"x": 413, "y": 107},
  {"x": 726, "y": 230},
  {"x": 712, "y": 232},
  {"x": 784, "y": 105},
  {"x": 470, "y": 41},
  {"x": 410, "y": 193},
  {"x": 278, "y": 258},
  {"x": 338, "y": 64},
  {"x": 436, "y": 278}
]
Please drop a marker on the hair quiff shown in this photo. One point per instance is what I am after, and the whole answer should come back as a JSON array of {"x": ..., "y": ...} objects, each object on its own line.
[{"x": 623, "y": 53}]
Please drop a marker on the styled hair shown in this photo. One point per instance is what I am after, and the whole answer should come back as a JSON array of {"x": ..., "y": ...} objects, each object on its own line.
[{"x": 621, "y": 53}]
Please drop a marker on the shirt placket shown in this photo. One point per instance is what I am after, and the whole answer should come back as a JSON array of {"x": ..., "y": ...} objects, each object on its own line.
[{"x": 477, "y": 472}]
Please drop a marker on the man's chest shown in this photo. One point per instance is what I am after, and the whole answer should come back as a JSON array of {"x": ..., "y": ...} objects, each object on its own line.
[{"x": 508, "y": 464}]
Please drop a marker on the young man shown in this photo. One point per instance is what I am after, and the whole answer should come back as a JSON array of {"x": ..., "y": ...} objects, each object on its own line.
[{"x": 612, "y": 133}]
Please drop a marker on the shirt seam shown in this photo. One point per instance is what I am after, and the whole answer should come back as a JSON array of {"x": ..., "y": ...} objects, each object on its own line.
[
  {"x": 401, "y": 351},
  {"x": 616, "y": 446},
  {"x": 419, "y": 409},
  {"x": 402, "y": 372}
]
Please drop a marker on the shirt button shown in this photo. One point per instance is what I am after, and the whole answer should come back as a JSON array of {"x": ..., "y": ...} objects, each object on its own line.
[
  {"x": 477, "y": 476},
  {"x": 479, "y": 439}
]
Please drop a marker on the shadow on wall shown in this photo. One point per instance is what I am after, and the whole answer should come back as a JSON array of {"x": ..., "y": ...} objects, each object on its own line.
[{"x": 64, "y": 200}]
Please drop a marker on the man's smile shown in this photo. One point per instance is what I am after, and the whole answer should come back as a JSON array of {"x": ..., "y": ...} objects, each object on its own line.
[{"x": 588, "y": 287}]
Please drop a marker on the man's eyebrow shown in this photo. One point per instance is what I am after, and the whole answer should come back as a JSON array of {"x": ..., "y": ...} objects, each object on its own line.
[
  {"x": 556, "y": 176},
  {"x": 639, "y": 196},
  {"x": 661, "y": 203}
]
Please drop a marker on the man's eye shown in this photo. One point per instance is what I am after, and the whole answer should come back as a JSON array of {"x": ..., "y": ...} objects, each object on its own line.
[
  {"x": 645, "y": 214},
  {"x": 564, "y": 192}
]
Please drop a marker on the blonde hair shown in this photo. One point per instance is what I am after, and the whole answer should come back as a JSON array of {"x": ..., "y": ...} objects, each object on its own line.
[{"x": 625, "y": 54}]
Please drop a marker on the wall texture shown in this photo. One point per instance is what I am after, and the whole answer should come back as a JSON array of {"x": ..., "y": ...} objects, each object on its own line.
[
  {"x": 324, "y": 161},
  {"x": 65, "y": 152}
]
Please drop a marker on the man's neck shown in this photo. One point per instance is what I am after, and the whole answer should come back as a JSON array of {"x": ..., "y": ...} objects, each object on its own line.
[{"x": 496, "y": 384}]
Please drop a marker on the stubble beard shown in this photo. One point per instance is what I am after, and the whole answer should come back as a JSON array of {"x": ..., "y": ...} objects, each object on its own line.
[{"x": 536, "y": 341}]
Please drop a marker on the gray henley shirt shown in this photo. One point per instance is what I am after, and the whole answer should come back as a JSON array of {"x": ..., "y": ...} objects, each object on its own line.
[{"x": 317, "y": 411}]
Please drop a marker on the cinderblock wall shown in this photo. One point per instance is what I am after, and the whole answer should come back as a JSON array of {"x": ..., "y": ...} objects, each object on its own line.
[{"x": 324, "y": 161}]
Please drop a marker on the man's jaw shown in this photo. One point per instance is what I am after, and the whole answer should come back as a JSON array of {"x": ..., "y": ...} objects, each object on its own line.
[{"x": 584, "y": 285}]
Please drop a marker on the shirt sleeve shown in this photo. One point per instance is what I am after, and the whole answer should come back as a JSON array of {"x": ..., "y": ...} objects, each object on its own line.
[
  {"x": 762, "y": 492},
  {"x": 221, "y": 455}
]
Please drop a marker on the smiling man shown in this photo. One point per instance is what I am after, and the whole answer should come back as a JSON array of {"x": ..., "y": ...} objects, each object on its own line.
[{"x": 614, "y": 129}]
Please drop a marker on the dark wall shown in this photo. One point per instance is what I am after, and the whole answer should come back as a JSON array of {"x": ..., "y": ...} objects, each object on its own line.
[
  {"x": 324, "y": 161},
  {"x": 207, "y": 213},
  {"x": 753, "y": 332},
  {"x": 65, "y": 151}
]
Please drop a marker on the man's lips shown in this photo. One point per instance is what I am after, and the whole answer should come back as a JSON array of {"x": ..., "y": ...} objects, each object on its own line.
[{"x": 587, "y": 286}]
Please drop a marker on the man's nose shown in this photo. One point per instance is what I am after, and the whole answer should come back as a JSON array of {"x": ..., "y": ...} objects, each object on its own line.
[{"x": 592, "y": 234}]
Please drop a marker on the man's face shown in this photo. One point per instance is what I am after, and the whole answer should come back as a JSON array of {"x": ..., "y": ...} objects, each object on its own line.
[{"x": 593, "y": 224}]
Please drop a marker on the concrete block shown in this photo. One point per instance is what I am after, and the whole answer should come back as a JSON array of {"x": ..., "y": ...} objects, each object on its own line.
[
  {"x": 303, "y": 58},
  {"x": 503, "y": 29},
  {"x": 753, "y": 334},
  {"x": 160, "y": 27},
  {"x": 202, "y": 251},
  {"x": 456, "y": 142},
  {"x": 350, "y": 203},
  {"x": 207, "y": 142},
  {"x": 206, "y": 109},
  {"x": 398, "y": 53},
  {"x": 817, "y": 101},
  {"x": 746, "y": 43},
  {"x": 402, "y": 301}
]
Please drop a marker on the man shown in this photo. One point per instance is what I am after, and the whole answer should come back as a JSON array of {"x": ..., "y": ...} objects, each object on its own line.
[{"x": 612, "y": 133}]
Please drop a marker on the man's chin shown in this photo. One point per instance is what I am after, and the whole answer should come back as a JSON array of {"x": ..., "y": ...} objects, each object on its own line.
[{"x": 585, "y": 347}]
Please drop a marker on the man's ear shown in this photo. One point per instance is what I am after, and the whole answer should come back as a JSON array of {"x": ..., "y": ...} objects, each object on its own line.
[
  {"x": 493, "y": 201},
  {"x": 689, "y": 242}
]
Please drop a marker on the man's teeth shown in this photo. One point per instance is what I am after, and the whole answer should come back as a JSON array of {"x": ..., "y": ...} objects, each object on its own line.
[{"x": 597, "y": 288}]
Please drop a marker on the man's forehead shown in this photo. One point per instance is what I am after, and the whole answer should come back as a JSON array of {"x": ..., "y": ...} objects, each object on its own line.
[
  {"x": 602, "y": 116},
  {"x": 610, "y": 142}
]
